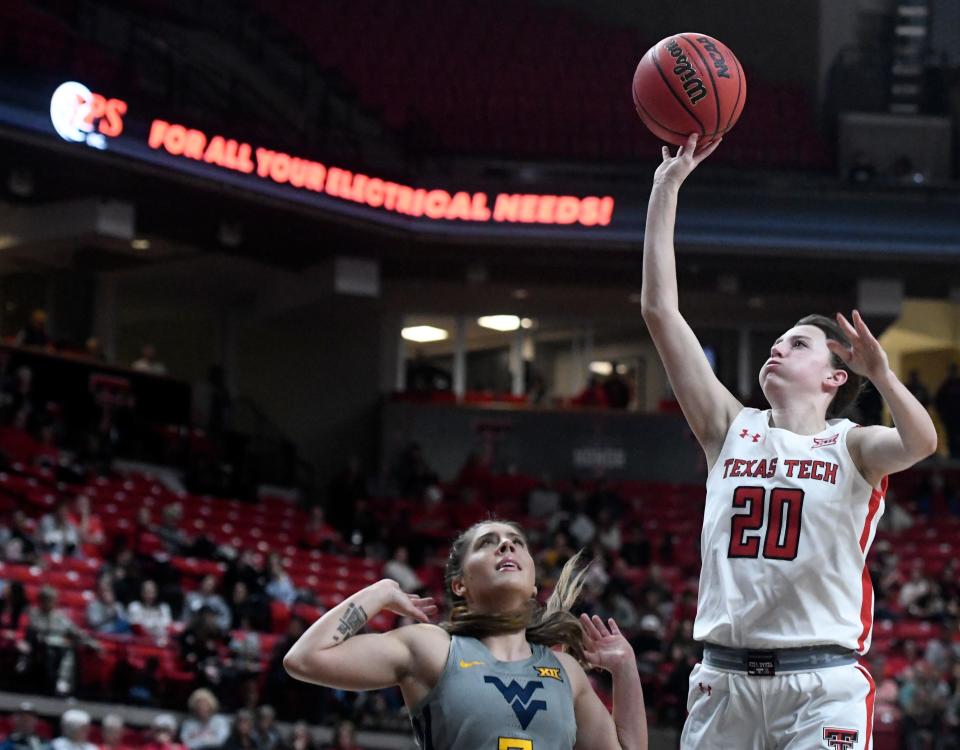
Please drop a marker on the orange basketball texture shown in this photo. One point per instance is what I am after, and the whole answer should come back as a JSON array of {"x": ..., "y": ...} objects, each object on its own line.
[{"x": 689, "y": 83}]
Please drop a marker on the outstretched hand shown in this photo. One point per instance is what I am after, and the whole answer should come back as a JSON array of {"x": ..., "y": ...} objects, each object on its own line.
[
  {"x": 865, "y": 356},
  {"x": 605, "y": 647},
  {"x": 675, "y": 169}
]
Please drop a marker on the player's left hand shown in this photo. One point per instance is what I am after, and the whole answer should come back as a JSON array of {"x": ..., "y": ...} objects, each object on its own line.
[
  {"x": 605, "y": 647},
  {"x": 865, "y": 356}
]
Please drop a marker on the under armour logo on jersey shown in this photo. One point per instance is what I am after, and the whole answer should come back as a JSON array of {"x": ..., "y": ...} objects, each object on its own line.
[
  {"x": 708, "y": 689},
  {"x": 842, "y": 739},
  {"x": 745, "y": 433},
  {"x": 519, "y": 698},
  {"x": 821, "y": 442}
]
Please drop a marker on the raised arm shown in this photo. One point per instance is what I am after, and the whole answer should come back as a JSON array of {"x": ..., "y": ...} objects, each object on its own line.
[
  {"x": 879, "y": 450},
  {"x": 606, "y": 648},
  {"x": 329, "y": 653},
  {"x": 708, "y": 406}
]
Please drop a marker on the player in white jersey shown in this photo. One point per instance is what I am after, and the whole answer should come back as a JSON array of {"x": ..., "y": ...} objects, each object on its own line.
[{"x": 793, "y": 499}]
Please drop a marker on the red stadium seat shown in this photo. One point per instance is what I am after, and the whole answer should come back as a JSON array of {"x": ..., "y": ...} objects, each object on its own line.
[{"x": 916, "y": 630}]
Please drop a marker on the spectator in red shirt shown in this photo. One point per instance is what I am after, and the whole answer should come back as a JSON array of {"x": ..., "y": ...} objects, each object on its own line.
[
  {"x": 593, "y": 395},
  {"x": 900, "y": 659},
  {"x": 318, "y": 534},
  {"x": 89, "y": 525}
]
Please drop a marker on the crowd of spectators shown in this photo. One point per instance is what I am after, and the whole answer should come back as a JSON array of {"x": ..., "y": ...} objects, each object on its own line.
[
  {"x": 36, "y": 334},
  {"x": 216, "y": 625},
  {"x": 646, "y": 580},
  {"x": 643, "y": 579},
  {"x": 642, "y": 574},
  {"x": 205, "y": 728},
  {"x": 96, "y": 413},
  {"x": 219, "y": 628}
]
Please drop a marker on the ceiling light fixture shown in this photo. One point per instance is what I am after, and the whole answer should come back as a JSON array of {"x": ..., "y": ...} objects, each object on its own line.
[
  {"x": 424, "y": 334},
  {"x": 500, "y": 322}
]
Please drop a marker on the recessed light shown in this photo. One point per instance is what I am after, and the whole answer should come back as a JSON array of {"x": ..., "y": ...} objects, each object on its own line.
[
  {"x": 424, "y": 334},
  {"x": 500, "y": 322}
]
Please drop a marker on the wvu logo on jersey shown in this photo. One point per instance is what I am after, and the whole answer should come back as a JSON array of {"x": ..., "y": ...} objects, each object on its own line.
[
  {"x": 519, "y": 698},
  {"x": 841, "y": 739},
  {"x": 552, "y": 672}
]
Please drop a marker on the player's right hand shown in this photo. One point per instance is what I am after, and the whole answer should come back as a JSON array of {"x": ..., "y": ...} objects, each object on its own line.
[
  {"x": 675, "y": 169},
  {"x": 420, "y": 608}
]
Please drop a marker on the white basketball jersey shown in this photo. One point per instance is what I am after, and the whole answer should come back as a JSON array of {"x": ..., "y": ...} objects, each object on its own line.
[{"x": 788, "y": 523}]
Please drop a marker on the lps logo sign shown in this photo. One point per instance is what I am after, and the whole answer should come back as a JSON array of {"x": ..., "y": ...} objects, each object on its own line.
[{"x": 81, "y": 116}]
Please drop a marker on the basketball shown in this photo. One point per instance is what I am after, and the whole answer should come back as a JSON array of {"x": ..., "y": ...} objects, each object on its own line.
[{"x": 689, "y": 83}]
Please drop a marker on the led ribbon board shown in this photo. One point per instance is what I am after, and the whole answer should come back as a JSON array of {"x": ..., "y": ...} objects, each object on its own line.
[{"x": 79, "y": 115}]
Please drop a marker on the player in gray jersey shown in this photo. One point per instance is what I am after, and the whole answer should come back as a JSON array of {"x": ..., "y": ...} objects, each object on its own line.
[{"x": 487, "y": 679}]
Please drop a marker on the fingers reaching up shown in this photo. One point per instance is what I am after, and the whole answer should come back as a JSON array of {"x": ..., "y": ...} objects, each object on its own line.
[
  {"x": 604, "y": 645},
  {"x": 864, "y": 355},
  {"x": 676, "y": 168}
]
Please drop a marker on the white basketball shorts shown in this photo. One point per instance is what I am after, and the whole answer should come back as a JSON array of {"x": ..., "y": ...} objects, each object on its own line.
[{"x": 825, "y": 708}]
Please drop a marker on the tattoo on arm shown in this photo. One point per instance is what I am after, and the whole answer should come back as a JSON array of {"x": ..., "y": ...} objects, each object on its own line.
[{"x": 352, "y": 621}]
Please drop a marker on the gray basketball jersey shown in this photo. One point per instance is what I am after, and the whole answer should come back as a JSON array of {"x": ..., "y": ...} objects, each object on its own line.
[{"x": 480, "y": 703}]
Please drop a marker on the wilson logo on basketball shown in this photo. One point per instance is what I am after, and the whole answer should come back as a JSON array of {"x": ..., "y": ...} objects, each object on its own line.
[{"x": 687, "y": 74}]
